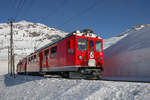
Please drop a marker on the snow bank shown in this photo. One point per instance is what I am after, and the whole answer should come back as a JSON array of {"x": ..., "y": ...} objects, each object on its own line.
[
  {"x": 40, "y": 88},
  {"x": 130, "y": 57},
  {"x": 3, "y": 67}
]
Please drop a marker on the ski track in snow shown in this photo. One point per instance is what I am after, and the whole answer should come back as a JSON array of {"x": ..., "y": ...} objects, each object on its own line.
[{"x": 40, "y": 88}]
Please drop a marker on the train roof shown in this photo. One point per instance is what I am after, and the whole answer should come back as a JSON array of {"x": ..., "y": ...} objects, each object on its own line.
[{"x": 85, "y": 32}]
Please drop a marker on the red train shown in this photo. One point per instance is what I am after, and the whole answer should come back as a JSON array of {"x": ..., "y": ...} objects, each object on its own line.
[{"x": 80, "y": 52}]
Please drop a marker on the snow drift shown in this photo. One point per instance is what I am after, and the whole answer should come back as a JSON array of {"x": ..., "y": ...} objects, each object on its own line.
[{"x": 130, "y": 57}]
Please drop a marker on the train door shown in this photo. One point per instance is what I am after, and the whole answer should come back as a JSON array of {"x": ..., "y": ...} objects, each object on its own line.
[
  {"x": 82, "y": 51},
  {"x": 25, "y": 65},
  {"x": 70, "y": 51},
  {"x": 91, "y": 52},
  {"x": 46, "y": 57},
  {"x": 41, "y": 60}
]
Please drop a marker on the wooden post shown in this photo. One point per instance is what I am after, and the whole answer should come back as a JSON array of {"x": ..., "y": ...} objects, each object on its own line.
[{"x": 12, "y": 65}]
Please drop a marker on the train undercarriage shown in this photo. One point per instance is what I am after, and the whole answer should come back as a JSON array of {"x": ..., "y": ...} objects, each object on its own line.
[{"x": 80, "y": 73}]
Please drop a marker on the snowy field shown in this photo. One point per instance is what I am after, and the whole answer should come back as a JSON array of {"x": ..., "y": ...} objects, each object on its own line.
[{"x": 40, "y": 88}]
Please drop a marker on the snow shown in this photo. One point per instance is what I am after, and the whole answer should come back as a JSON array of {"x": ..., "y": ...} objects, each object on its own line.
[
  {"x": 86, "y": 35},
  {"x": 41, "y": 88},
  {"x": 3, "y": 67},
  {"x": 111, "y": 41},
  {"x": 27, "y": 37},
  {"x": 129, "y": 57}
]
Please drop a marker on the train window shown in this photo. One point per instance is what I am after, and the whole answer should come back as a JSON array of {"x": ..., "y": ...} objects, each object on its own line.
[
  {"x": 29, "y": 60},
  {"x": 91, "y": 45},
  {"x": 46, "y": 54},
  {"x": 34, "y": 58},
  {"x": 68, "y": 44},
  {"x": 38, "y": 58},
  {"x": 82, "y": 44},
  {"x": 53, "y": 51},
  {"x": 24, "y": 62},
  {"x": 98, "y": 46}
]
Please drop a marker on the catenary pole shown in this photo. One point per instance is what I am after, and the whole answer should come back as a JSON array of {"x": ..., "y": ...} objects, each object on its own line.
[
  {"x": 8, "y": 61},
  {"x": 12, "y": 65}
]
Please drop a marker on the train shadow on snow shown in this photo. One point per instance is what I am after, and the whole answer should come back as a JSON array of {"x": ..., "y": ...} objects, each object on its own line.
[{"x": 19, "y": 79}]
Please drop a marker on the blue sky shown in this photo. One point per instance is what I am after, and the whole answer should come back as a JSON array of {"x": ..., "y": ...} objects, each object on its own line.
[{"x": 107, "y": 18}]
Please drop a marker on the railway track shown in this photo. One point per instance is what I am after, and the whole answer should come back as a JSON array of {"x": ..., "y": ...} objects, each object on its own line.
[{"x": 75, "y": 76}]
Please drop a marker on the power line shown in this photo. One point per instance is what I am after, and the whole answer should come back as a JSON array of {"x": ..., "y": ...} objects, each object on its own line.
[
  {"x": 31, "y": 3},
  {"x": 80, "y": 13},
  {"x": 54, "y": 12},
  {"x": 19, "y": 8}
]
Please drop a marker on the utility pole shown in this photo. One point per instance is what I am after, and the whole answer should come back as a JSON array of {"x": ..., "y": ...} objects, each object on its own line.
[
  {"x": 12, "y": 65},
  {"x": 8, "y": 61}
]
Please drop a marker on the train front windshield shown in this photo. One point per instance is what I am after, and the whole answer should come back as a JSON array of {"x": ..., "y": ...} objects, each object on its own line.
[
  {"x": 82, "y": 44},
  {"x": 91, "y": 45},
  {"x": 98, "y": 46}
]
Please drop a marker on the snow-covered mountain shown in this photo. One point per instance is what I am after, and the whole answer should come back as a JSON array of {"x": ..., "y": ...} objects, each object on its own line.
[
  {"x": 28, "y": 36},
  {"x": 130, "y": 56},
  {"x": 113, "y": 40}
]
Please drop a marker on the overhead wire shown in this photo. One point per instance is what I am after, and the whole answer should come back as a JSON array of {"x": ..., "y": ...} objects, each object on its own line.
[
  {"x": 12, "y": 5},
  {"x": 80, "y": 13},
  {"x": 29, "y": 7},
  {"x": 19, "y": 8},
  {"x": 54, "y": 12},
  {"x": 22, "y": 3}
]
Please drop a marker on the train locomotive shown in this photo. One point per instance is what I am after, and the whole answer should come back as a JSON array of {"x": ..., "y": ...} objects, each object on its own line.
[{"x": 78, "y": 52}]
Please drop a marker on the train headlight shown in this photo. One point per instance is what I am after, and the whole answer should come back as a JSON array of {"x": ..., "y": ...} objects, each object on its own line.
[
  {"x": 80, "y": 57},
  {"x": 77, "y": 31}
]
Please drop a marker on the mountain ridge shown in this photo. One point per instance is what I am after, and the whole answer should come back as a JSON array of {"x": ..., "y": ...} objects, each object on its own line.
[{"x": 28, "y": 36}]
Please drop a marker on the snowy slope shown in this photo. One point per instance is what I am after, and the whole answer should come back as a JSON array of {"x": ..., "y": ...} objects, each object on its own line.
[
  {"x": 129, "y": 57},
  {"x": 111, "y": 41},
  {"x": 27, "y": 37},
  {"x": 39, "y": 88}
]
